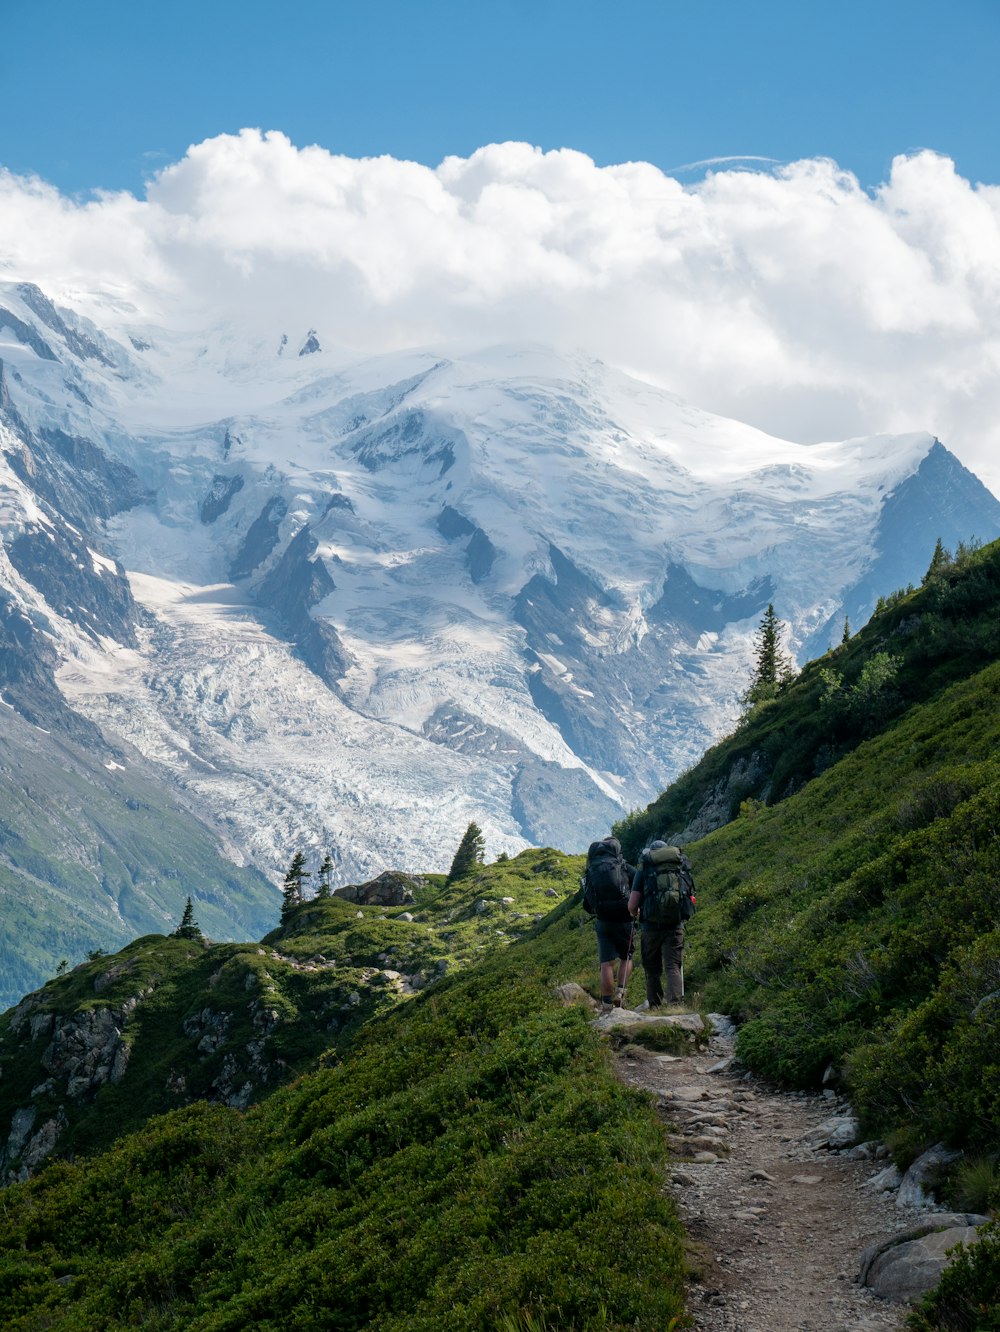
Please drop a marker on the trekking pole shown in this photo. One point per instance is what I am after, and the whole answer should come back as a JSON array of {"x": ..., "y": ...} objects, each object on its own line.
[{"x": 628, "y": 961}]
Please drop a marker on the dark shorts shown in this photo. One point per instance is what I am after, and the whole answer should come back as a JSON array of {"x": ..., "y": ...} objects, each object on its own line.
[{"x": 613, "y": 938}]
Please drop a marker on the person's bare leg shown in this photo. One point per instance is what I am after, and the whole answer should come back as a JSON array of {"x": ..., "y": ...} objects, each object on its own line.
[{"x": 624, "y": 971}]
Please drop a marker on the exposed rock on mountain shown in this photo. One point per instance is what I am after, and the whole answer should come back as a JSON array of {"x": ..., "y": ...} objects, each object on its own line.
[
  {"x": 311, "y": 344},
  {"x": 219, "y": 497},
  {"x": 389, "y": 889},
  {"x": 261, "y": 538}
]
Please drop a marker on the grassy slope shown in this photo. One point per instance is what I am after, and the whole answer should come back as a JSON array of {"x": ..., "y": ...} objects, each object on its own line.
[
  {"x": 275, "y": 1006},
  {"x": 857, "y": 923},
  {"x": 471, "y": 1162},
  {"x": 939, "y": 635}
]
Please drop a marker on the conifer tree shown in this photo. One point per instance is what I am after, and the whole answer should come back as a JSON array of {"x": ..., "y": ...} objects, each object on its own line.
[
  {"x": 940, "y": 560},
  {"x": 846, "y": 637},
  {"x": 772, "y": 667},
  {"x": 469, "y": 856},
  {"x": 189, "y": 927},
  {"x": 291, "y": 888},
  {"x": 325, "y": 877}
]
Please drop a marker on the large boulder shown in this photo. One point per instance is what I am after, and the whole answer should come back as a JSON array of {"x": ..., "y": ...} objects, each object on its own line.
[
  {"x": 623, "y": 1019},
  {"x": 391, "y": 888},
  {"x": 906, "y": 1266},
  {"x": 835, "y": 1133},
  {"x": 570, "y": 993}
]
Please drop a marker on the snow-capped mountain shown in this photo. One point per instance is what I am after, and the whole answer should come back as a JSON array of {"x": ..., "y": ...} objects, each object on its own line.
[{"x": 354, "y": 603}]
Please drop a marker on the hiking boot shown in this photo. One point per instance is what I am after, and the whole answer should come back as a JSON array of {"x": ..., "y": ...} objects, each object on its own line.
[
  {"x": 642, "y": 1008},
  {"x": 619, "y": 1000}
]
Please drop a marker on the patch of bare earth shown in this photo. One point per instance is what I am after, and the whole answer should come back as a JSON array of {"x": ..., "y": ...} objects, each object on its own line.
[{"x": 777, "y": 1226}]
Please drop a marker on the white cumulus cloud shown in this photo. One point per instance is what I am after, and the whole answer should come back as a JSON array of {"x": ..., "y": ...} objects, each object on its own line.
[{"x": 789, "y": 296}]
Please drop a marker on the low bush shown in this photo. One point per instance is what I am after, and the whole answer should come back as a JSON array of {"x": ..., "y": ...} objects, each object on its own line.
[{"x": 471, "y": 1160}]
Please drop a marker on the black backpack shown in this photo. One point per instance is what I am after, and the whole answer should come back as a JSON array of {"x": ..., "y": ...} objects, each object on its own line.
[
  {"x": 605, "y": 881},
  {"x": 667, "y": 888}
]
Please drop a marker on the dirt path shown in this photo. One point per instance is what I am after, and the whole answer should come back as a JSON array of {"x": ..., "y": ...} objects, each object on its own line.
[{"x": 778, "y": 1226}]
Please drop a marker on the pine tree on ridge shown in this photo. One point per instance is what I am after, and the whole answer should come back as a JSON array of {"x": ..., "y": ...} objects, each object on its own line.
[
  {"x": 292, "y": 887},
  {"x": 470, "y": 854},
  {"x": 189, "y": 927}
]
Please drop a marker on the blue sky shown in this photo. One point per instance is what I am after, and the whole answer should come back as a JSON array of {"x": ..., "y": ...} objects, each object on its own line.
[{"x": 101, "y": 95}]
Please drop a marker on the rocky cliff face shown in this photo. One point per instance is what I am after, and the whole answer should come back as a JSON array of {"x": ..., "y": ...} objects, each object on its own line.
[{"x": 82, "y": 1053}]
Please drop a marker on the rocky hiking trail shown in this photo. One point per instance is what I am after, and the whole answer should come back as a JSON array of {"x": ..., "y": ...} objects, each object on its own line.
[{"x": 779, "y": 1219}]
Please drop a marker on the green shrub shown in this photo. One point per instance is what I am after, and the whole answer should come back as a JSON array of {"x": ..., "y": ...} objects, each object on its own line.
[
  {"x": 471, "y": 1159},
  {"x": 974, "y": 1185}
]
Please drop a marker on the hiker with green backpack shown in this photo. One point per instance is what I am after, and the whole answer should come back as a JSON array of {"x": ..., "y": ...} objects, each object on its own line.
[{"x": 662, "y": 899}]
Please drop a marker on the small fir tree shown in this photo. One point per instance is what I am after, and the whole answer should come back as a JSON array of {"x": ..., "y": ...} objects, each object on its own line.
[
  {"x": 469, "y": 856},
  {"x": 189, "y": 927},
  {"x": 325, "y": 877},
  {"x": 291, "y": 888},
  {"x": 940, "y": 561},
  {"x": 845, "y": 638},
  {"x": 772, "y": 667}
]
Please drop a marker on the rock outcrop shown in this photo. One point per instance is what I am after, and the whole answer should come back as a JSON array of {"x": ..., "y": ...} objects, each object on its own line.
[
  {"x": 85, "y": 1051},
  {"x": 392, "y": 888}
]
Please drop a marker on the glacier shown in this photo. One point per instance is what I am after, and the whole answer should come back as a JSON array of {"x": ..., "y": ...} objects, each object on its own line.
[{"x": 378, "y": 597}]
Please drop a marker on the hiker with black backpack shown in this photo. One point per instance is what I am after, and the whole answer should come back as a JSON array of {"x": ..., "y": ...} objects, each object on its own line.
[
  {"x": 605, "y": 885},
  {"x": 662, "y": 898}
]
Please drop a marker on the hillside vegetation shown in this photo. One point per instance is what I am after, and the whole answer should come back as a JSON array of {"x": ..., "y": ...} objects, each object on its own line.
[
  {"x": 167, "y": 1021},
  {"x": 857, "y": 922},
  {"x": 472, "y": 1162}
]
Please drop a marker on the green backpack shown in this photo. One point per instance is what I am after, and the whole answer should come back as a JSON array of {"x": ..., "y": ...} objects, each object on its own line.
[{"x": 667, "y": 888}]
